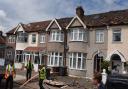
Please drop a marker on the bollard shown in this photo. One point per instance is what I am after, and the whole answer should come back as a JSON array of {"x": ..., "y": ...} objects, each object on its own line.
[{"x": 104, "y": 76}]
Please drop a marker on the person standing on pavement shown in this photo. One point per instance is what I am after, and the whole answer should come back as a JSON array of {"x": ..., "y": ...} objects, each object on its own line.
[
  {"x": 29, "y": 69},
  {"x": 97, "y": 81},
  {"x": 42, "y": 76},
  {"x": 10, "y": 73}
]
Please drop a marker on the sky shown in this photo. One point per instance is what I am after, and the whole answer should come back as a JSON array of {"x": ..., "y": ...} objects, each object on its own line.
[{"x": 13, "y": 12}]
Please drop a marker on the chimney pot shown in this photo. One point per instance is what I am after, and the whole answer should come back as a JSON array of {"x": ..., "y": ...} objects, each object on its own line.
[{"x": 80, "y": 11}]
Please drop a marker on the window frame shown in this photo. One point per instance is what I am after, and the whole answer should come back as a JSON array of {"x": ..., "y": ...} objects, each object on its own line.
[
  {"x": 78, "y": 31},
  {"x": 120, "y": 31},
  {"x": 99, "y": 33},
  {"x": 22, "y": 37},
  {"x": 33, "y": 38},
  {"x": 56, "y": 36},
  {"x": 11, "y": 39},
  {"x": 52, "y": 59},
  {"x": 82, "y": 59},
  {"x": 9, "y": 54},
  {"x": 42, "y": 38}
]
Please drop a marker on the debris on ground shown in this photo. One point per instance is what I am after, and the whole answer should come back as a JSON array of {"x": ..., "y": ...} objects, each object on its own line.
[{"x": 54, "y": 83}]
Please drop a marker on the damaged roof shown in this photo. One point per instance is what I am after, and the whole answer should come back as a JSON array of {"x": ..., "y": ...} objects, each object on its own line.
[{"x": 119, "y": 17}]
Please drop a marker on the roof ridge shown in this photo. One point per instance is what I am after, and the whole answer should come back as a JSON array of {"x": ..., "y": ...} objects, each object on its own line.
[{"x": 108, "y": 12}]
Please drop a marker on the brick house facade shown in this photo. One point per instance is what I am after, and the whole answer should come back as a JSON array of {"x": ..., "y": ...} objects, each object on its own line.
[{"x": 81, "y": 42}]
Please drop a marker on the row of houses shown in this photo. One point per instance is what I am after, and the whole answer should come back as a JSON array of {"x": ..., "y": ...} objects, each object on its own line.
[
  {"x": 2, "y": 44},
  {"x": 81, "y": 42}
]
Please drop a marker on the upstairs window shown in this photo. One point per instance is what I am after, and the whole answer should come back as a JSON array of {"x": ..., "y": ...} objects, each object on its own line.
[
  {"x": 116, "y": 35},
  {"x": 78, "y": 34},
  {"x": 42, "y": 38},
  {"x": 99, "y": 36},
  {"x": 22, "y": 37},
  {"x": 56, "y": 36},
  {"x": 11, "y": 39},
  {"x": 33, "y": 38}
]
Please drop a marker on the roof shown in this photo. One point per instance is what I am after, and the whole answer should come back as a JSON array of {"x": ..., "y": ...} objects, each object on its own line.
[
  {"x": 119, "y": 17},
  {"x": 32, "y": 27},
  {"x": 2, "y": 40},
  {"x": 34, "y": 49}
]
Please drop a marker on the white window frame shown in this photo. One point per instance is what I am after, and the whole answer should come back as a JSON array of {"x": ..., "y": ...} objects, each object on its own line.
[
  {"x": 99, "y": 36},
  {"x": 117, "y": 30},
  {"x": 22, "y": 37},
  {"x": 52, "y": 60},
  {"x": 11, "y": 39},
  {"x": 34, "y": 59},
  {"x": 34, "y": 37},
  {"x": 75, "y": 34},
  {"x": 82, "y": 58},
  {"x": 18, "y": 56},
  {"x": 42, "y": 38},
  {"x": 56, "y": 36},
  {"x": 9, "y": 54}
]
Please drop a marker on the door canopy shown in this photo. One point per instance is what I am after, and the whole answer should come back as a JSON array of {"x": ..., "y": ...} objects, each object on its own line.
[{"x": 108, "y": 58}]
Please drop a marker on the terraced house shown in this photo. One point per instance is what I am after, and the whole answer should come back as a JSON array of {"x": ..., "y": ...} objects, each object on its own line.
[{"x": 81, "y": 42}]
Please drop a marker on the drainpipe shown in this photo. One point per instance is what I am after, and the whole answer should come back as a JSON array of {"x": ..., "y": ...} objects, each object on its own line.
[{"x": 65, "y": 47}]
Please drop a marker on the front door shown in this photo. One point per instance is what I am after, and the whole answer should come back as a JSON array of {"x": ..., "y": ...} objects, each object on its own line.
[
  {"x": 116, "y": 62},
  {"x": 97, "y": 63}
]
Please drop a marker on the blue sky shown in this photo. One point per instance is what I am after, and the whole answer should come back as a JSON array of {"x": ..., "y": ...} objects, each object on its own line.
[{"x": 13, "y": 12}]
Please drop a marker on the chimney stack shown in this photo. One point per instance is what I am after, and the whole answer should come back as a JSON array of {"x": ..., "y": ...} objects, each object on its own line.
[
  {"x": 1, "y": 32},
  {"x": 80, "y": 12}
]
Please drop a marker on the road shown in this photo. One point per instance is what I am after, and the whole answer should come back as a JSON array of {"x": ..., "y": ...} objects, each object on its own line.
[{"x": 16, "y": 85}]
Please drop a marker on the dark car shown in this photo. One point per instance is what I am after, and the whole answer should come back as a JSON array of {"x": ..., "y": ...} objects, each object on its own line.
[{"x": 117, "y": 81}]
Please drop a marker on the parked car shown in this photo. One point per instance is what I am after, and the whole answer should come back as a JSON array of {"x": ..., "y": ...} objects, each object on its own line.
[{"x": 117, "y": 81}]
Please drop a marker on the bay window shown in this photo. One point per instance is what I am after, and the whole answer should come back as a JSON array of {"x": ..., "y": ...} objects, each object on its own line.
[
  {"x": 99, "y": 36},
  {"x": 56, "y": 35},
  {"x": 78, "y": 34},
  {"x": 55, "y": 59},
  {"x": 77, "y": 61}
]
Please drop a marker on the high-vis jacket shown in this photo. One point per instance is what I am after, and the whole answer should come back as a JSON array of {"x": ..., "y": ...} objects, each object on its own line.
[
  {"x": 29, "y": 66},
  {"x": 10, "y": 70},
  {"x": 42, "y": 73}
]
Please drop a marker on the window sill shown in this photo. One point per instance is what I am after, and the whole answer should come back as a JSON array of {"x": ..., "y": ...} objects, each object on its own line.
[
  {"x": 21, "y": 42},
  {"x": 77, "y": 41},
  {"x": 57, "y": 41},
  {"x": 99, "y": 42},
  {"x": 77, "y": 69},
  {"x": 42, "y": 42},
  {"x": 33, "y": 43},
  {"x": 53, "y": 66},
  {"x": 117, "y": 42}
]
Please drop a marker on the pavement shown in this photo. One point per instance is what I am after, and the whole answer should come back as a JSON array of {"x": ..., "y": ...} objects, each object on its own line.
[{"x": 70, "y": 82}]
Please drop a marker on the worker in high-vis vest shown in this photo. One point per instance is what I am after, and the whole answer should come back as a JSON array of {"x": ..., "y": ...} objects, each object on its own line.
[
  {"x": 10, "y": 73},
  {"x": 29, "y": 68},
  {"x": 42, "y": 76}
]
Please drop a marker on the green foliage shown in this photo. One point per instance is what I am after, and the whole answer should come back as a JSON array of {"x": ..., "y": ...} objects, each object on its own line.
[{"x": 105, "y": 65}]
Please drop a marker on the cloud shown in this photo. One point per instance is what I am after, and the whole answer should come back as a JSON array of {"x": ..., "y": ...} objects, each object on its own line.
[
  {"x": 2, "y": 14},
  {"x": 13, "y": 12}
]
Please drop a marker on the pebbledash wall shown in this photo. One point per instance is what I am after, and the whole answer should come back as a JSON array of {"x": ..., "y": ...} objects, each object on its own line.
[{"x": 88, "y": 49}]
